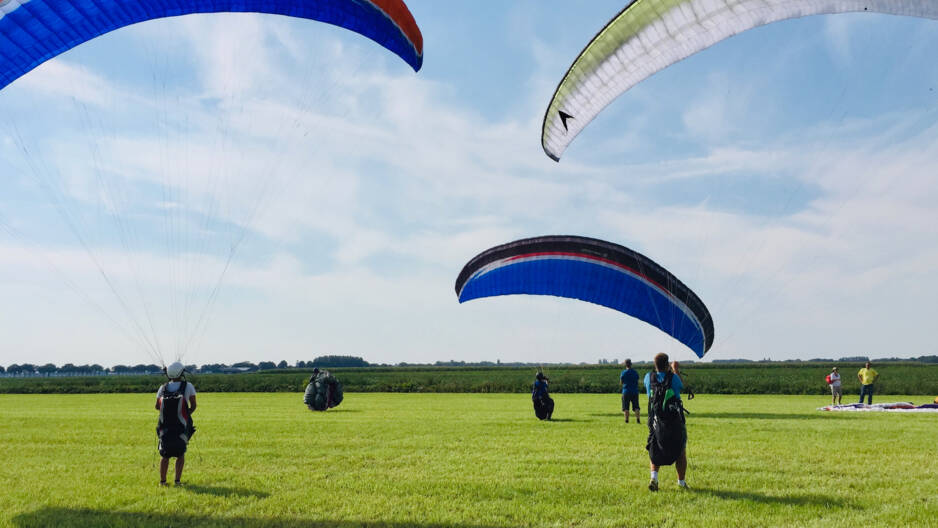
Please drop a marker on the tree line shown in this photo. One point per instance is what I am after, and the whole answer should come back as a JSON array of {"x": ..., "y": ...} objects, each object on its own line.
[
  {"x": 339, "y": 361},
  {"x": 69, "y": 369},
  {"x": 849, "y": 359}
]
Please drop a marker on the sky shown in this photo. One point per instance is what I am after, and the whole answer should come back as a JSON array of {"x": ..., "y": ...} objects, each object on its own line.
[{"x": 227, "y": 188}]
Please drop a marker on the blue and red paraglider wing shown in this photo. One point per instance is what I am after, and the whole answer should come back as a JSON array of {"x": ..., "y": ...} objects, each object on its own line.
[
  {"x": 34, "y": 31},
  {"x": 594, "y": 271}
]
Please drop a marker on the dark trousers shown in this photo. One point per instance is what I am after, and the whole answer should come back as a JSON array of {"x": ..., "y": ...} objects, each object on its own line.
[{"x": 866, "y": 390}]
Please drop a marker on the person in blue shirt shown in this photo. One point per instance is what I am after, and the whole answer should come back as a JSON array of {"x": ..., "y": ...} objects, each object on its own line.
[
  {"x": 676, "y": 384},
  {"x": 543, "y": 403},
  {"x": 629, "y": 381},
  {"x": 680, "y": 463}
]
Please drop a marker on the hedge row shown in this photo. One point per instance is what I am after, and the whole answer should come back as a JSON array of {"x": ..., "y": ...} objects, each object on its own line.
[{"x": 760, "y": 378}]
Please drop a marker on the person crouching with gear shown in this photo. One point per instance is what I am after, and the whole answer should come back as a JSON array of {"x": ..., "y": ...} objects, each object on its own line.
[
  {"x": 175, "y": 400},
  {"x": 323, "y": 391}
]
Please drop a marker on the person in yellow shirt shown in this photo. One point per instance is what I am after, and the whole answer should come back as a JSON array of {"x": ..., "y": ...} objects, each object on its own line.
[{"x": 867, "y": 377}]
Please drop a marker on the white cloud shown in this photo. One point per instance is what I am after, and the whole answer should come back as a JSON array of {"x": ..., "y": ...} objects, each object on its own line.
[
  {"x": 837, "y": 30},
  {"x": 59, "y": 78}
]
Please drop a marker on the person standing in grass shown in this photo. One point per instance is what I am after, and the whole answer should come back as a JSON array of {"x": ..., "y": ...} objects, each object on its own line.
[
  {"x": 836, "y": 389},
  {"x": 628, "y": 379},
  {"x": 175, "y": 400},
  {"x": 667, "y": 434},
  {"x": 867, "y": 377},
  {"x": 543, "y": 403}
]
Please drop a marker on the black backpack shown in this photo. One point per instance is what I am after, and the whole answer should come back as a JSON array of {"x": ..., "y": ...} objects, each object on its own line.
[
  {"x": 543, "y": 403},
  {"x": 665, "y": 404},
  {"x": 667, "y": 435},
  {"x": 174, "y": 427}
]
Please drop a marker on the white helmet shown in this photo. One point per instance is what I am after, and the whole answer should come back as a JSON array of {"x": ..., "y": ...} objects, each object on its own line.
[{"x": 174, "y": 370}]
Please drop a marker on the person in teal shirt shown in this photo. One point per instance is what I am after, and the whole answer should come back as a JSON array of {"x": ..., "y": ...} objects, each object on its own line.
[
  {"x": 676, "y": 383},
  {"x": 629, "y": 381},
  {"x": 680, "y": 463}
]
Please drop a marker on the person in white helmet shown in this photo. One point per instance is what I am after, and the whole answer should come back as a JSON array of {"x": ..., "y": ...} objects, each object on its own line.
[{"x": 175, "y": 400}]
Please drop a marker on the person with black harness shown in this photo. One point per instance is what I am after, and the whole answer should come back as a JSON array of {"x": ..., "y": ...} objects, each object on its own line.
[
  {"x": 667, "y": 433},
  {"x": 175, "y": 400},
  {"x": 323, "y": 391},
  {"x": 543, "y": 403}
]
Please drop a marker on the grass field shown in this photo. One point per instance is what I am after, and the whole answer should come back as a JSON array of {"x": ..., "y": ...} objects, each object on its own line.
[{"x": 462, "y": 460}]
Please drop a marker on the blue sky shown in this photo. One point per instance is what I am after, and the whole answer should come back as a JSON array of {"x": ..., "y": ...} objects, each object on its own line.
[{"x": 787, "y": 175}]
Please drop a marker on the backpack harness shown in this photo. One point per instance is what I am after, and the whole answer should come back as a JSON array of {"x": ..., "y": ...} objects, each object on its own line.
[
  {"x": 667, "y": 435},
  {"x": 174, "y": 428}
]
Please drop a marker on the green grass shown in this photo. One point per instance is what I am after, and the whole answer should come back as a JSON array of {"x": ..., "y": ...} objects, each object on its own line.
[{"x": 462, "y": 460}]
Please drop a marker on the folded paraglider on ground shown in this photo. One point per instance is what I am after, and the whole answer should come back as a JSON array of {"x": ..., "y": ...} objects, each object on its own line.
[{"x": 894, "y": 406}]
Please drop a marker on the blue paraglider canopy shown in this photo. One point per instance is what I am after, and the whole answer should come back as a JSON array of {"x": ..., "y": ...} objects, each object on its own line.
[
  {"x": 34, "y": 31},
  {"x": 595, "y": 271}
]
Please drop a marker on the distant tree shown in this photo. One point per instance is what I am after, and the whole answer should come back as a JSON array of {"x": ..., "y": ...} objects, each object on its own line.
[
  {"x": 153, "y": 368},
  {"x": 68, "y": 368},
  {"x": 14, "y": 369},
  {"x": 923, "y": 359},
  {"x": 300, "y": 364},
  {"x": 214, "y": 367},
  {"x": 28, "y": 368},
  {"x": 338, "y": 361},
  {"x": 282, "y": 365},
  {"x": 245, "y": 365},
  {"x": 2, "y": 370},
  {"x": 855, "y": 359},
  {"x": 266, "y": 365},
  {"x": 120, "y": 369},
  {"x": 47, "y": 369},
  {"x": 449, "y": 363}
]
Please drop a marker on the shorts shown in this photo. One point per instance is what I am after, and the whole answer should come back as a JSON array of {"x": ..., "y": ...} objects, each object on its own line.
[
  {"x": 837, "y": 391},
  {"x": 630, "y": 398}
]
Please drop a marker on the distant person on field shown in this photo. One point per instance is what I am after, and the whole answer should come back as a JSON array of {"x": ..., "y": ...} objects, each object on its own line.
[
  {"x": 867, "y": 377},
  {"x": 543, "y": 403},
  {"x": 175, "y": 400},
  {"x": 836, "y": 389},
  {"x": 629, "y": 381},
  {"x": 323, "y": 391},
  {"x": 310, "y": 394},
  {"x": 667, "y": 434}
]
